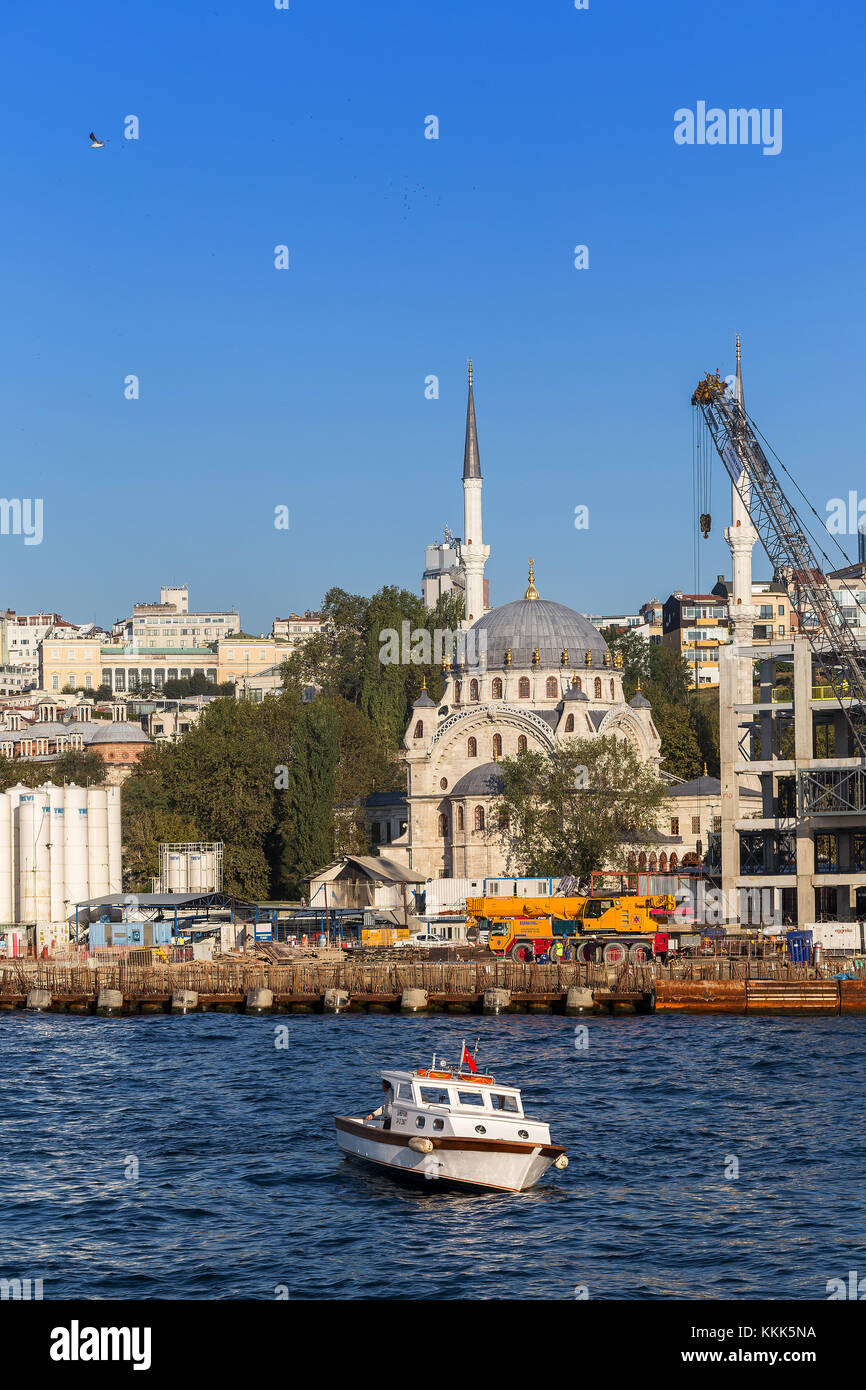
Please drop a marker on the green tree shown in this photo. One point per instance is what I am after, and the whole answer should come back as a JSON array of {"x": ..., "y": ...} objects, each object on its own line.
[
  {"x": 307, "y": 830},
  {"x": 570, "y": 810}
]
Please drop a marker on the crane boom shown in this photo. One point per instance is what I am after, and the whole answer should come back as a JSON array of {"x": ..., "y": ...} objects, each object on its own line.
[{"x": 785, "y": 540}]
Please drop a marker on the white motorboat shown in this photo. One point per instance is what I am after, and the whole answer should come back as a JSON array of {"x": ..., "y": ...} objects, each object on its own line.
[{"x": 451, "y": 1126}]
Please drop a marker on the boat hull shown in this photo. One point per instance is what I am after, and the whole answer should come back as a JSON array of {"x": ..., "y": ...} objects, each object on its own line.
[{"x": 492, "y": 1164}]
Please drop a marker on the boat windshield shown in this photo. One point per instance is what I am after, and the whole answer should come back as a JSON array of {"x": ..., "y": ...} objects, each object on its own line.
[
  {"x": 504, "y": 1102},
  {"x": 434, "y": 1095}
]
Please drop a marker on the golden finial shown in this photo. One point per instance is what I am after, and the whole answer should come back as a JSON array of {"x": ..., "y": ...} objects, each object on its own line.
[
  {"x": 588, "y": 657},
  {"x": 508, "y": 657},
  {"x": 705, "y": 766},
  {"x": 424, "y": 682},
  {"x": 638, "y": 682},
  {"x": 535, "y": 657},
  {"x": 565, "y": 656},
  {"x": 617, "y": 659},
  {"x": 470, "y": 371},
  {"x": 531, "y": 592},
  {"x": 607, "y": 658}
]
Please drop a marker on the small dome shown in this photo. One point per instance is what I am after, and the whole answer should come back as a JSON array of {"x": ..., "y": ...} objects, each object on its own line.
[
  {"x": 572, "y": 693},
  {"x": 119, "y": 732},
  {"x": 639, "y": 701},
  {"x": 484, "y": 780},
  {"x": 424, "y": 701}
]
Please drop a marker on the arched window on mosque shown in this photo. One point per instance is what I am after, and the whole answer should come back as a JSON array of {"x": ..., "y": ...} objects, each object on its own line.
[
  {"x": 472, "y": 748},
  {"x": 473, "y": 690},
  {"x": 612, "y": 691},
  {"x": 457, "y": 692},
  {"x": 497, "y": 745},
  {"x": 552, "y": 691},
  {"x": 569, "y": 724},
  {"x": 641, "y": 863},
  {"x": 479, "y": 817},
  {"x": 598, "y": 687},
  {"x": 443, "y": 825},
  {"x": 521, "y": 744},
  {"x": 497, "y": 688},
  {"x": 523, "y": 688},
  {"x": 663, "y": 863},
  {"x": 652, "y": 863},
  {"x": 578, "y": 682},
  {"x": 459, "y": 817},
  {"x": 632, "y": 863},
  {"x": 674, "y": 862},
  {"x": 419, "y": 729}
]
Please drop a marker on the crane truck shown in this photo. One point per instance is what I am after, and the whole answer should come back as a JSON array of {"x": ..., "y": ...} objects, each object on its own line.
[{"x": 612, "y": 923}]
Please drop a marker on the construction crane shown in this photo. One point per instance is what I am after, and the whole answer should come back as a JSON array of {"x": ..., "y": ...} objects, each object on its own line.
[{"x": 784, "y": 537}]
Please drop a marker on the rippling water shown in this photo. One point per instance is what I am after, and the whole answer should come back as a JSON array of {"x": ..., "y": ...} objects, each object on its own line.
[{"x": 241, "y": 1189}]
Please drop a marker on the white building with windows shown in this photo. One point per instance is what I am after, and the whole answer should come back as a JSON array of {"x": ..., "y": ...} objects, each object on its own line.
[{"x": 169, "y": 623}]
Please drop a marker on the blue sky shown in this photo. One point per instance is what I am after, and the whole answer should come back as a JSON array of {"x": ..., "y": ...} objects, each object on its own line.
[{"x": 305, "y": 388}]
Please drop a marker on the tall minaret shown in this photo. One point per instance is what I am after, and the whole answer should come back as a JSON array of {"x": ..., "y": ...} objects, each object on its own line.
[
  {"x": 741, "y": 537},
  {"x": 473, "y": 553}
]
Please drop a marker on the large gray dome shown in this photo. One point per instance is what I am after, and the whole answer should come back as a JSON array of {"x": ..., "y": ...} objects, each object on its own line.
[
  {"x": 538, "y": 622},
  {"x": 484, "y": 780}
]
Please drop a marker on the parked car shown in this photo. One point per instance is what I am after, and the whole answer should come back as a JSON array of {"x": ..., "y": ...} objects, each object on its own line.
[{"x": 423, "y": 938}]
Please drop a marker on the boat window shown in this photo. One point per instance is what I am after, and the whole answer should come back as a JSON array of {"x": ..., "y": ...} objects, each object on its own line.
[
  {"x": 420, "y": 1122},
  {"x": 404, "y": 1091},
  {"x": 501, "y": 1102},
  {"x": 438, "y": 1124},
  {"x": 434, "y": 1095},
  {"x": 470, "y": 1098}
]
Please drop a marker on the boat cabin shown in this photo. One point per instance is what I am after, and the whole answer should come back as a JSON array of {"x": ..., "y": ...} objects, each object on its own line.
[{"x": 431, "y": 1102}]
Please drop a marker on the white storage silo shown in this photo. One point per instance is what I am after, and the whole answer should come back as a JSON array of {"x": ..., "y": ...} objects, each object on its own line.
[
  {"x": 194, "y": 872},
  {"x": 115, "y": 863},
  {"x": 177, "y": 880},
  {"x": 97, "y": 842},
  {"x": 15, "y": 794},
  {"x": 57, "y": 835},
  {"x": 34, "y": 857},
  {"x": 7, "y": 854},
  {"x": 76, "y": 866}
]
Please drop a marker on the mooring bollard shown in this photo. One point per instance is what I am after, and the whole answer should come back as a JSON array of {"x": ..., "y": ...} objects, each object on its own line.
[
  {"x": 39, "y": 999},
  {"x": 413, "y": 1001},
  {"x": 496, "y": 1001},
  {"x": 259, "y": 1001},
  {"x": 109, "y": 1001},
  {"x": 578, "y": 1000},
  {"x": 336, "y": 1000},
  {"x": 183, "y": 1001}
]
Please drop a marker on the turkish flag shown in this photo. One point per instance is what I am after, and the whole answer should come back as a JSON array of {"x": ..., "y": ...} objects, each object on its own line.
[{"x": 467, "y": 1060}]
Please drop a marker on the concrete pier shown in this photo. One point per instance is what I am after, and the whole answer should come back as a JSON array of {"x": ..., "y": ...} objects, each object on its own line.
[
  {"x": 259, "y": 1001},
  {"x": 413, "y": 1001},
  {"x": 184, "y": 1001},
  {"x": 39, "y": 999},
  {"x": 578, "y": 1000},
  {"x": 496, "y": 1001},
  {"x": 109, "y": 1001}
]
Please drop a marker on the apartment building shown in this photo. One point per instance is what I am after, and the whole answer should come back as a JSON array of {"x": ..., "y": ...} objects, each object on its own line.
[
  {"x": 297, "y": 627},
  {"x": 87, "y": 663},
  {"x": 170, "y": 624},
  {"x": 696, "y": 625}
]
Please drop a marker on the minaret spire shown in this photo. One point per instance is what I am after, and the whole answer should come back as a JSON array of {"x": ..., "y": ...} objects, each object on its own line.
[
  {"x": 473, "y": 552},
  {"x": 471, "y": 458}
]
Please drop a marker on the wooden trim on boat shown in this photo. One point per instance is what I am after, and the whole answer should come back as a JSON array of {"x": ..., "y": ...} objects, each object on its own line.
[{"x": 451, "y": 1141}]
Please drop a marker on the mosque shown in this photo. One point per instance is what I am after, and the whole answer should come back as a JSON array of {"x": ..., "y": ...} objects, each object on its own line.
[{"x": 538, "y": 674}]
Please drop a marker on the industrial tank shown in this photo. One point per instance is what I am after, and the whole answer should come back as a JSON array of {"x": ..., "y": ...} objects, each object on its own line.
[
  {"x": 34, "y": 858},
  {"x": 97, "y": 842},
  {"x": 75, "y": 839},
  {"x": 115, "y": 863},
  {"x": 7, "y": 851},
  {"x": 57, "y": 836}
]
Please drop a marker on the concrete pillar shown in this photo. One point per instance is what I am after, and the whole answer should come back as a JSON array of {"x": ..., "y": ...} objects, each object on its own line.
[
  {"x": 729, "y": 755},
  {"x": 184, "y": 1001},
  {"x": 39, "y": 999},
  {"x": 259, "y": 1001},
  {"x": 803, "y": 735},
  {"x": 413, "y": 1001},
  {"x": 109, "y": 1001},
  {"x": 336, "y": 1001},
  {"x": 497, "y": 1001},
  {"x": 578, "y": 1000}
]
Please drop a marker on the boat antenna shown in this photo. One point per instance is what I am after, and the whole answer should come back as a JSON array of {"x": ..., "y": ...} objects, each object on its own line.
[{"x": 475, "y": 1053}]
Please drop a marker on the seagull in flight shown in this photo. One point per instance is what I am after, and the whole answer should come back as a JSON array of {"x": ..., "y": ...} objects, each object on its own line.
[{"x": 94, "y": 143}]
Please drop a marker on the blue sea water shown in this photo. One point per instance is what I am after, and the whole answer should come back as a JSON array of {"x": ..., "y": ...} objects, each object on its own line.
[{"x": 163, "y": 1157}]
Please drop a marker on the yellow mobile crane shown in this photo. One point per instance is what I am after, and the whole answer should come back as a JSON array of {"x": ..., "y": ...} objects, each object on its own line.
[{"x": 613, "y": 923}]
